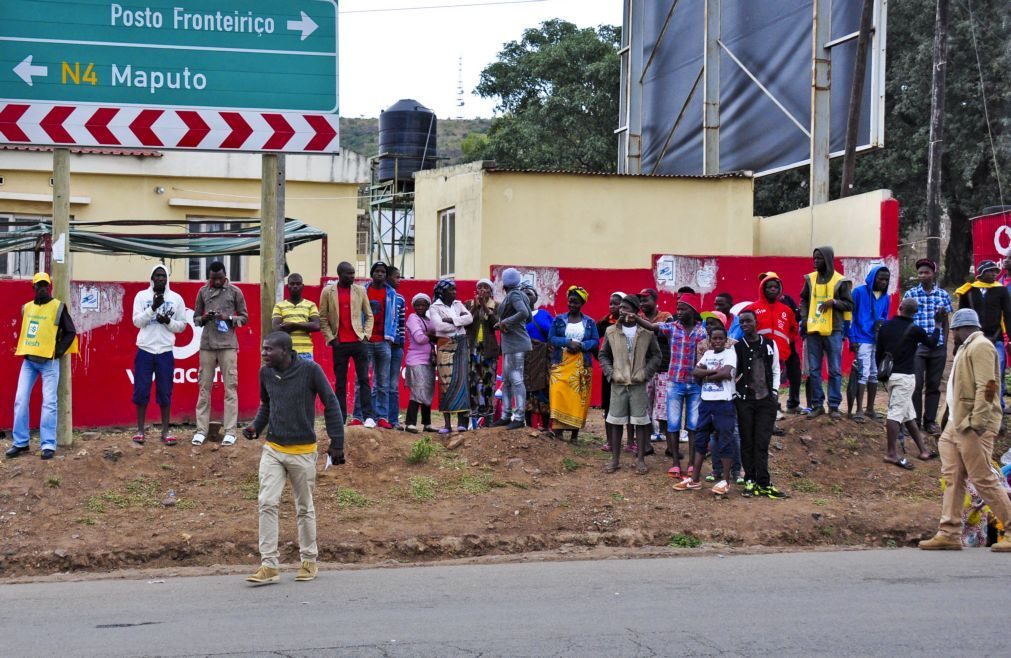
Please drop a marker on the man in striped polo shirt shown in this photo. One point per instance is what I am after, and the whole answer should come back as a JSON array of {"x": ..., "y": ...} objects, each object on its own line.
[{"x": 297, "y": 317}]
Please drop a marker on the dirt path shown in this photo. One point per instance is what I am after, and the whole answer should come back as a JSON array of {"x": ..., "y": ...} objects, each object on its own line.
[{"x": 98, "y": 506}]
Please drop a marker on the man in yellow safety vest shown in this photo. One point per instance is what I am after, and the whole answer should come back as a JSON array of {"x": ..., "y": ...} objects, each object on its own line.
[
  {"x": 825, "y": 302},
  {"x": 47, "y": 333}
]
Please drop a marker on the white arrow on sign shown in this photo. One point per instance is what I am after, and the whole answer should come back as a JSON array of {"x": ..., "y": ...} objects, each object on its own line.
[
  {"x": 26, "y": 70},
  {"x": 306, "y": 26}
]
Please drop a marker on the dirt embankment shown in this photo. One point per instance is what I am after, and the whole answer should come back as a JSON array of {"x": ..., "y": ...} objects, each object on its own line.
[{"x": 99, "y": 505}]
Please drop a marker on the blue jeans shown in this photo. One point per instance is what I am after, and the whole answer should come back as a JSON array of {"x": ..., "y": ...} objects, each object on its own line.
[
  {"x": 1002, "y": 364},
  {"x": 683, "y": 400},
  {"x": 817, "y": 348},
  {"x": 378, "y": 355},
  {"x": 514, "y": 391},
  {"x": 30, "y": 372},
  {"x": 393, "y": 399}
]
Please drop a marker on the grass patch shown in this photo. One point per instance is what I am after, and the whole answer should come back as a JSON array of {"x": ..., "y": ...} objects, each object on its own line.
[
  {"x": 617, "y": 496},
  {"x": 806, "y": 485},
  {"x": 185, "y": 504},
  {"x": 851, "y": 443},
  {"x": 421, "y": 451},
  {"x": 249, "y": 486},
  {"x": 838, "y": 490},
  {"x": 680, "y": 540},
  {"x": 168, "y": 467},
  {"x": 477, "y": 484},
  {"x": 95, "y": 505},
  {"x": 826, "y": 530},
  {"x": 53, "y": 481},
  {"x": 422, "y": 487},
  {"x": 820, "y": 502},
  {"x": 86, "y": 520},
  {"x": 570, "y": 464},
  {"x": 348, "y": 497}
]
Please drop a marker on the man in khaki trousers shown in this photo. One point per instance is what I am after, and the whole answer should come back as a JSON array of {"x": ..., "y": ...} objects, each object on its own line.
[
  {"x": 220, "y": 308},
  {"x": 289, "y": 387},
  {"x": 966, "y": 445}
]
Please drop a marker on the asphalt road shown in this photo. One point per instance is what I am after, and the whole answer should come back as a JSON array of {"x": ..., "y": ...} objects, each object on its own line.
[{"x": 889, "y": 602}]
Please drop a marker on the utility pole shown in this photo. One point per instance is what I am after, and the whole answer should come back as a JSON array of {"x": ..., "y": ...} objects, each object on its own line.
[
  {"x": 936, "y": 149},
  {"x": 271, "y": 224},
  {"x": 61, "y": 286},
  {"x": 821, "y": 88},
  {"x": 711, "y": 91},
  {"x": 856, "y": 96}
]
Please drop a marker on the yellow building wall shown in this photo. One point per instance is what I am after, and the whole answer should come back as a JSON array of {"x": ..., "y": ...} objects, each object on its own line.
[
  {"x": 851, "y": 225},
  {"x": 457, "y": 187},
  {"x": 331, "y": 207},
  {"x": 573, "y": 220}
]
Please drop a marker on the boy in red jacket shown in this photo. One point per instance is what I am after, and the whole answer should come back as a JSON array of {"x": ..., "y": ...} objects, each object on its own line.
[{"x": 775, "y": 320}]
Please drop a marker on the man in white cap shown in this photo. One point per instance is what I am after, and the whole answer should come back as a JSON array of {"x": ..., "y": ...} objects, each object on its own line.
[{"x": 966, "y": 444}]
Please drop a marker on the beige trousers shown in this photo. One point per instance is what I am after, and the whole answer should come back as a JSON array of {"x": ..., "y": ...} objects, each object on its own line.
[
  {"x": 300, "y": 470},
  {"x": 967, "y": 455},
  {"x": 228, "y": 362}
]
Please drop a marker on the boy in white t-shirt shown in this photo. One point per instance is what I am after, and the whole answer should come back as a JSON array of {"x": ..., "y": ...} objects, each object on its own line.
[{"x": 716, "y": 410}]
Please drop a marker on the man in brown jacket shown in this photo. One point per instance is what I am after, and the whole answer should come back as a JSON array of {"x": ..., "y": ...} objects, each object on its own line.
[
  {"x": 966, "y": 445},
  {"x": 629, "y": 358},
  {"x": 346, "y": 325},
  {"x": 220, "y": 309}
]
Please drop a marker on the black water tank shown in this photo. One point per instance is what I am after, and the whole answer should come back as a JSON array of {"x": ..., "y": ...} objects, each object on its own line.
[{"x": 408, "y": 129}]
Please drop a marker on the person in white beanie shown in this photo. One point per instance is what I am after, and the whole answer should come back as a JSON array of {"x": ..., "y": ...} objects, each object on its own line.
[{"x": 513, "y": 315}]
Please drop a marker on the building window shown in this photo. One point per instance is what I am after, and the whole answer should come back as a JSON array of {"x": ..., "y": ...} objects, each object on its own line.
[
  {"x": 18, "y": 264},
  {"x": 197, "y": 267},
  {"x": 447, "y": 242}
]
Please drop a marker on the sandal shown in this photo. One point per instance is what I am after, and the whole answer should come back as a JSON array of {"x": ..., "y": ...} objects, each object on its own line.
[
  {"x": 169, "y": 440},
  {"x": 461, "y": 428},
  {"x": 859, "y": 417},
  {"x": 611, "y": 468},
  {"x": 138, "y": 438},
  {"x": 445, "y": 430},
  {"x": 605, "y": 448},
  {"x": 641, "y": 469},
  {"x": 932, "y": 455},
  {"x": 901, "y": 463},
  {"x": 721, "y": 488},
  {"x": 674, "y": 472},
  {"x": 687, "y": 484}
]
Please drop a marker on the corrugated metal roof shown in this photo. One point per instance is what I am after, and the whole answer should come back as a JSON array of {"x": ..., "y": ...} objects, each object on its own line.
[
  {"x": 507, "y": 170},
  {"x": 137, "y": 153}
]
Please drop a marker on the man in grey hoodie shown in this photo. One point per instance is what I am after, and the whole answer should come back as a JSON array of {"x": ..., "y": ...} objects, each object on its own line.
[{"x": 513, "y": 313}]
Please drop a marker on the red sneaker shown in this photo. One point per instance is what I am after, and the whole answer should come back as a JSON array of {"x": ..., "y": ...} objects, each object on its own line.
[
  {"x": 384, "y": 424},
  {"x": 355, "y": 423}
]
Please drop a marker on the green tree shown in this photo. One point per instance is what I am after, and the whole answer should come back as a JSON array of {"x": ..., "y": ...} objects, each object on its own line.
[
  {"x": 474, "y": 147},
  {"x": 969, "y": 181},
  {"x": 558, "y": 97}
]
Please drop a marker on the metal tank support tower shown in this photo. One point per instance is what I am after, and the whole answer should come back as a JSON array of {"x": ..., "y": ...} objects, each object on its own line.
[{"x": 407, "y": 143}]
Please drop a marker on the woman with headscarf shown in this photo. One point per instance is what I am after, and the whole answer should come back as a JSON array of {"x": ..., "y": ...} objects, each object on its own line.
[
  {"x": 420, "y": 365},
  {"x": 603, "y": 324},
  {"x": 536, "y": 371},
  {"x": 450, "y": 318},
  {"x": 573, "y": 339},
  {"x": 483, "y": 355}
]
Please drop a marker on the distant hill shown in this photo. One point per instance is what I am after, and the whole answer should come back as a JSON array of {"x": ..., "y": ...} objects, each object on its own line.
[{"x": 362, "y": 136}]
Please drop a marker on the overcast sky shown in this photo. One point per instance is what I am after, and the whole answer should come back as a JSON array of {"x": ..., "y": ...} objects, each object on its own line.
[{"x": 414, "y": 53}]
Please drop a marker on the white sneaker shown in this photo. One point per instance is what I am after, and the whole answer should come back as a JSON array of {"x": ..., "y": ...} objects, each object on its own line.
[
  {"x": 198, "y": 439},
  {"x": 780, "y": 415},
  {"x": 228, "y": 440},
  {"x": 370, "y": 423}
]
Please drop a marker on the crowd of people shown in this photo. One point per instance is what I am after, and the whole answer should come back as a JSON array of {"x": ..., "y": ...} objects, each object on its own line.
[{"x": 710, "y": 378}]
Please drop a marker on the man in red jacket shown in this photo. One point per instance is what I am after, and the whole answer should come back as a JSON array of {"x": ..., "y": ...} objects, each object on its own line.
[{"x": 775, "y": 320}]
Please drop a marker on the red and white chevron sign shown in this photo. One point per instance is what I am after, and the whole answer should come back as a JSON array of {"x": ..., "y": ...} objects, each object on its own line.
[{"x": 138, "y": 127}]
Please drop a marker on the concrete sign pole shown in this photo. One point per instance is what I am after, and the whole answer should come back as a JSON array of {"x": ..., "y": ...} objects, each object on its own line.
[
  {"x": 821, "y": 88},
  {"x": 61, "y": 273},
  {"x": 270, "y": 226},
  {"x": 711, "y": 91}
]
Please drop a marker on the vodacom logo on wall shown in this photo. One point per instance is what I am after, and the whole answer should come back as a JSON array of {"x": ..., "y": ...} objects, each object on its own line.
[{"x": 1002, "y": 240}]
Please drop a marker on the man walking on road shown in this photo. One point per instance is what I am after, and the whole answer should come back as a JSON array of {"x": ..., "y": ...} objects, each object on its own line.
[
  {"x": 47, "y": 333},
  {"x": 289, "y": 387},
  {"x": 966, "y": 444},
  {"x": 158, "y": 314},
  {"x": 933, "y": 307},
  {"x": 347, "y": 323},
  {"x": 220, "y": 309}
]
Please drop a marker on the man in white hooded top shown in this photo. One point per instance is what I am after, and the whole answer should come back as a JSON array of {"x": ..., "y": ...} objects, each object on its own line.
[{"x": 159, "y": 314}]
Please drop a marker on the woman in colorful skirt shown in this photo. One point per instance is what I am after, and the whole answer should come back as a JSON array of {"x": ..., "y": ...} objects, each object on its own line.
[
  {"x": 537, "y": 367},
  {"x": 420, "y": 365},
  {"x": 573, "y": 338},
  {"x": 484, "y": 353},
  {"x": 450, "y": 318}
]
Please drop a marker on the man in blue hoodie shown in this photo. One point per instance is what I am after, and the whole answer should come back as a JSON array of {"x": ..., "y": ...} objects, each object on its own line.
[{"x": 870, "y": 309}]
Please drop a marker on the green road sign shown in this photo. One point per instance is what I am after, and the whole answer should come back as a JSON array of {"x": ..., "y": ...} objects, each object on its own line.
[{"x": 269, "y": 55}]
